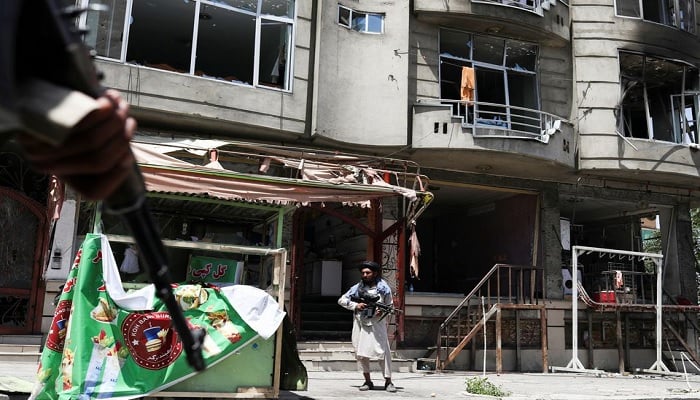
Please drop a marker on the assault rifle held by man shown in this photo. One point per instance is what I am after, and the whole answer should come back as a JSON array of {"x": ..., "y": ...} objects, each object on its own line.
[{"x": 373, "y": 303}]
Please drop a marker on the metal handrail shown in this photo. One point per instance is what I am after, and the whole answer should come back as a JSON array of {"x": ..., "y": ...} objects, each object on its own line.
[
  {"x": 519, "y": 122},
  {"x": 687, "y": 319},
  {"x": 495, "y": 271},
  {"x": 485, "y": 279}
]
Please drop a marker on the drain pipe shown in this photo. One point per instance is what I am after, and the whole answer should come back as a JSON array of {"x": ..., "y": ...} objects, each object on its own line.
[{"x": 316, "y": 40}]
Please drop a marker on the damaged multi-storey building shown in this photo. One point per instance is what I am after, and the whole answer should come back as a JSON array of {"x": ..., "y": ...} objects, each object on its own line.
[{"x": 537, "y": 125}]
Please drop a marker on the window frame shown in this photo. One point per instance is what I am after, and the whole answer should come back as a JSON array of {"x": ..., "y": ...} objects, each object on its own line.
[
  {"x": 290, "y": 22},
  {"x": 351, "y": 17},
  {"x": 677, "y": 22},
  {"x": 486, "y": 67},
  {"x": 679, "y": 135}
]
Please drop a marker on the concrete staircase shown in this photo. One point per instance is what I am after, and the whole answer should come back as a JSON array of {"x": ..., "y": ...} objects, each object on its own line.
[
  {"x": 340, "y": 356},
  {"x": 323, "y": 319},
  {"x": 20, "y": 348}
]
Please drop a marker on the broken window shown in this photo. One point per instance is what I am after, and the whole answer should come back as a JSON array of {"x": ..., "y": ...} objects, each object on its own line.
[
  {"x": 659, "y": 99},
  {"x": 241, "y": 41},
  {"x": 505, "y": 90},
  {"x": 360, "y": 21},
  {"x": 676, "y": 13}
]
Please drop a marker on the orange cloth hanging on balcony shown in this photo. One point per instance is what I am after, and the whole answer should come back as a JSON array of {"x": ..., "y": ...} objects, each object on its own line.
[{"x": 467, "y": 85}]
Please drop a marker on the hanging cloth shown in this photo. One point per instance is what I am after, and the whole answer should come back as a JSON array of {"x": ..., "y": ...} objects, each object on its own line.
[
  {"x": 467, "y": 85},
  {"x": 130, "y": 265},
  {"x": 618, "y": 282},
  {"x": 414, "y": 252}
]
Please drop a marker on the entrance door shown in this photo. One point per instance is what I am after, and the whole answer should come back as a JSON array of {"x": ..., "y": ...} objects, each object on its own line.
[{"x": 23, "y": 227}]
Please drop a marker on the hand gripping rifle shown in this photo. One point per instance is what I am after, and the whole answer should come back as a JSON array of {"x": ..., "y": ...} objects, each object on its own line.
[
  {"x": 373, "y": 304},
  {"x": 46, "y": 33}
]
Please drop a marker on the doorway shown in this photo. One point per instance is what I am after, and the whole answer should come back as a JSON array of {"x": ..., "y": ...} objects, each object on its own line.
[{"x": 23, "y": 244}]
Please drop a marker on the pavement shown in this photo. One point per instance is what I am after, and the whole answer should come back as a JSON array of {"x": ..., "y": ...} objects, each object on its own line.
[
  {"x": 328, "y": 385},
  {"x": 521, "y": 386}
]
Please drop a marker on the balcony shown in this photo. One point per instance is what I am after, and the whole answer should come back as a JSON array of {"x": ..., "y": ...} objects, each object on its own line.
[
  {"x": 526, "y": 135},
  {"x": 545, "y": 21}
]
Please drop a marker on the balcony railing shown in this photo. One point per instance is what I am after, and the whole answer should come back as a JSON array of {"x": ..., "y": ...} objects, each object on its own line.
[
  {"x": 530, "y": 5},
  {"x": 500, "y": 120}
]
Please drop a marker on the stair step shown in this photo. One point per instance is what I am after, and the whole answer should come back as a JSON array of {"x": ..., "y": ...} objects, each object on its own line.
[
  {"x": 326, "y": 315},
  {"x": 328, "y": 355},
  {"x": 343, "y": 326},
  {"x": 29, "y": 357},
  {"x": 324, "y": 345},
  {"x": 351, "y": 365},
  {"x": 20, "y": 348},
  {"x": 323, "y": 334},
  {"x": 22, "y": 339}
]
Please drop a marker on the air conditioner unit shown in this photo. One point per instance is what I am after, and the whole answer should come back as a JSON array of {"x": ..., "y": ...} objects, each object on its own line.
[{"x": 567, "y": 281}]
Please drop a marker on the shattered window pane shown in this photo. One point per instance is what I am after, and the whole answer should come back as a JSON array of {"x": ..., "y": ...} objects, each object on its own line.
[
  {"x": 106, "y": 28},
  {"x": 522, "y": 92},
  {"x": 248, "y": 5},
  {"x": 280, "y": 8},
  {"x": 488, "y": 49},
  {"x": 521, "y": 56},
  {"x": 660, "y": 11},
  {"x": 652, "y": 105},
  {"x": 687, "y": 15},
  {"x": 274, "y": 42},
  {"x": 491, "y": 89},
  {"x": 455, "y": 44},
  {"x": 161, "y": 35},
  {"x": 217, "y": 55},
  {"x": 155, "y": 44},
  {"x": 505, "y": 92},
  {"x": 628, "y": 8}
]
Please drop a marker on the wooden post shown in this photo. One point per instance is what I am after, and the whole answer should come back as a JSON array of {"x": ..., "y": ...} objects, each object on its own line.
[
  {"x": 499, "y": 351},
  {"x": 620, "y": 346},
  {"x": 472, "y": 355},
  {"x": 627, "y": 340},
  {"x": 297, "y": 279},
  {"x": 400, "y": 299},
  {"x": 543, "y": 337},
  {"x": 590, "y": 337},
  {"x": 518, "y": 359},
  {"x": 374, "y": 221}
]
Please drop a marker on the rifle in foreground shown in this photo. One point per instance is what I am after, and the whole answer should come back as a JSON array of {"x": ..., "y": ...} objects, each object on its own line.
[{"x": 46, "y": 31}]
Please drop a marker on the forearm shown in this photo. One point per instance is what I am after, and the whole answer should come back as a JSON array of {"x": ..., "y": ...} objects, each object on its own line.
[{"x": 345, "y": 302}]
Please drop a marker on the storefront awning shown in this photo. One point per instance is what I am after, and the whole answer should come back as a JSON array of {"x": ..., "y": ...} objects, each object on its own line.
[{"x": 164, "y": 173}]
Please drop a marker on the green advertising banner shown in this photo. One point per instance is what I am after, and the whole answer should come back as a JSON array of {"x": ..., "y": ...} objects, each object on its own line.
[
  {"x": 96, "y": 348},
  {"x": 210, "y": 269}
]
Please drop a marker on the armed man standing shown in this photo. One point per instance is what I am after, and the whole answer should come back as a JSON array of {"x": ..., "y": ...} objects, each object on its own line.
[{"x": 369, "y": 331}]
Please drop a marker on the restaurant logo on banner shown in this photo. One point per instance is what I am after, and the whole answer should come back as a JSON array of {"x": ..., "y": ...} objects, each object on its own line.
[{"x": 151, "y": 339}]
